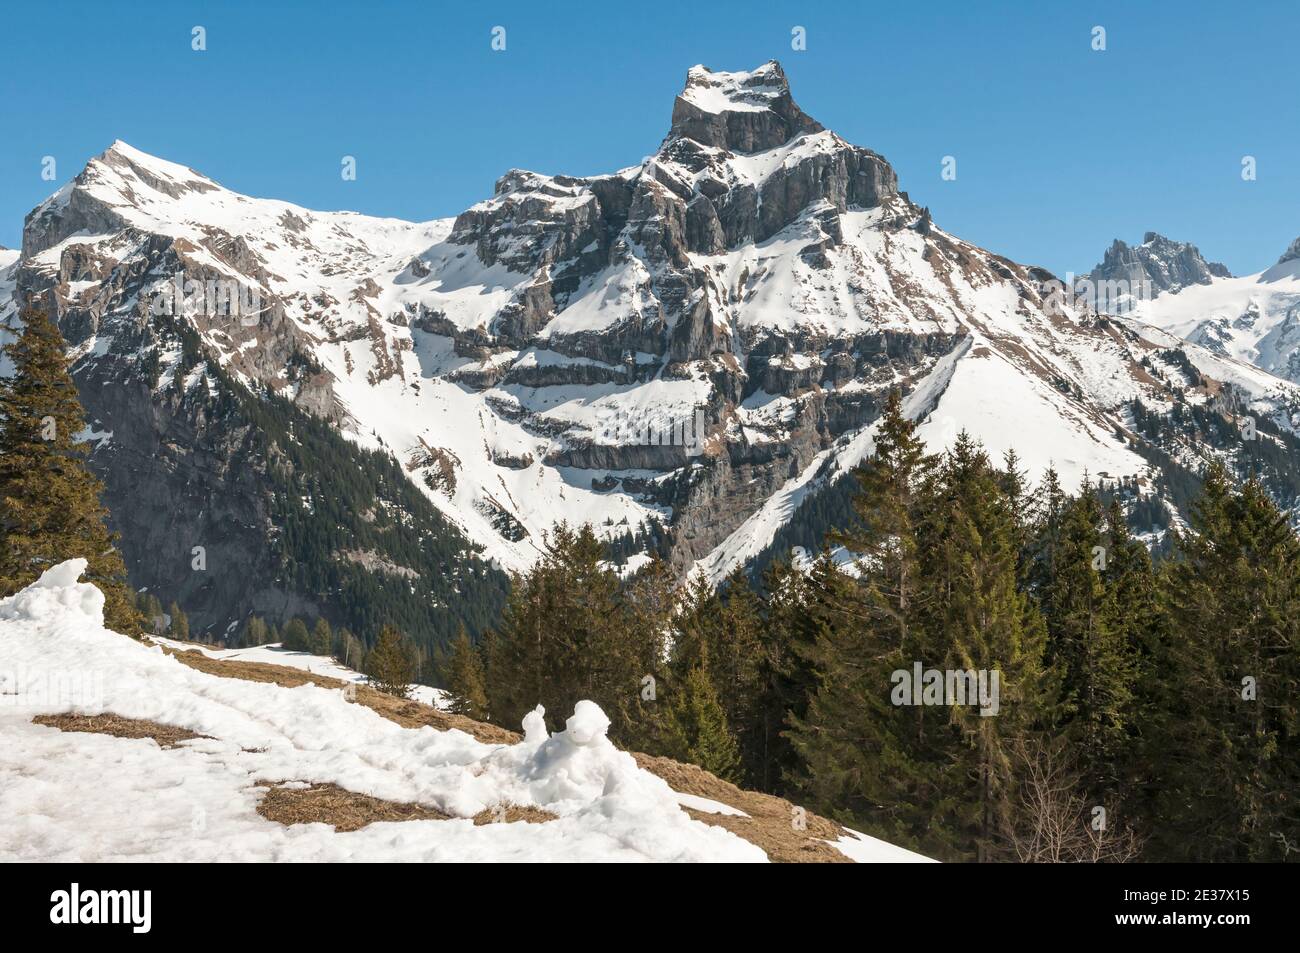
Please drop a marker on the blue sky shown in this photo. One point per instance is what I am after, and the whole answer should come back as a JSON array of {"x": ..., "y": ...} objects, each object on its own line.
[{"x": 1059, "y": 148}]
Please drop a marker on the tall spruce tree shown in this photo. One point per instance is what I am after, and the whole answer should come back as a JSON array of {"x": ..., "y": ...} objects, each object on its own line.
[
  {"x": 977, "y": 620},
  {"x": 461, "y": 668},
  {"x": 786, "y": 678},
  {"x": 391, "y": 664},
  {"x": 695, "y": 724},
  {"x": 726, "y": 625},
  {"x": 50, "y": 508},
  {"x": 864, "y": 758},
  {"x": 180, "y": 622},
  {"x": 1231, "y": 667},
  {"x": 1135, "y": 617},
  {"x": 1087, "y": 646}
]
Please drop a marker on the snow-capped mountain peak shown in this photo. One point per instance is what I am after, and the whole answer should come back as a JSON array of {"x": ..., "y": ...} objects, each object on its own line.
[{"x": 741, "y": 111}]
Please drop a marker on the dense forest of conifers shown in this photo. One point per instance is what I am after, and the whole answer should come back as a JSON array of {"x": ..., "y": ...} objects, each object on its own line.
[{"x": 1142, "y": 712}]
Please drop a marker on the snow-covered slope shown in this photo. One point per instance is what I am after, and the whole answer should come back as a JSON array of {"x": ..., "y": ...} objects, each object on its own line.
[
  {"x": 276, "y": 654},
  {"x": 698, "y": 341},
  {"x": 75, "y": 796},
  {"x": 1254, "y": 318}
]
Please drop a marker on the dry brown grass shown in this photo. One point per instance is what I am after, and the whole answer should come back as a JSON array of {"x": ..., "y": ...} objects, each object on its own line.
[
  {"x": 770, "y": 824},
  {"x": 342, "y": 809},
  {"x": 167, "y": 736},
  {"x": 510, "y": 813},
  {"x": 771, "y": 821},
  {"x": 346, "y": 810}
]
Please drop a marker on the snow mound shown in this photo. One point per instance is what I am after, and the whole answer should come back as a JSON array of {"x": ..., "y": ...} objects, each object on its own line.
[
  {"x": 68, "y": 796},
  {"x": 57, "y": 591}
]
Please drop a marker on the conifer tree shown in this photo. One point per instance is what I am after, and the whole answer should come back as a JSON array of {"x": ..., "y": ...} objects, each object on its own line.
[
  {"x": 180, "y": 625},
  {"x": 859, "y": 752},
  {"x": 1230, "y": 761},
  {"x": 651, "y": 601},
  {"x": 295, "y": 637},
  {"x": 255, "y": 631},
  {"x": 886, "y": 508},
  {"x": 391, "y": 665},
  {"x": 1094, "y": 662},
  {"x": 1048, "y": 508},
  {"x": 976, "y": 620},
  {"x": 461, "y": 669},
  {"x": 696, "y": 729},
  {"x": 322, "y": 637},
  {"x": 50, "y": 508},
  {"x": 864, "y": 758},
  {"x": 786, "y": 679},
  {"x": 1135, "y": 616},
  {"x": 565, "y": 636},
  {"x": 726, "y": 625}
]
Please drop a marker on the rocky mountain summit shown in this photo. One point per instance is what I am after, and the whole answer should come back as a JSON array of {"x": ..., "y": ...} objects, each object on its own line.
[
  {"x": 683, "y": 351},
  {"x": 1143, "y": 271}
]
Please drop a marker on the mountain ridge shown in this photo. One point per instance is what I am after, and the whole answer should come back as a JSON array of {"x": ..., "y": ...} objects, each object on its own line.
[{"x": 697, "y": 342}]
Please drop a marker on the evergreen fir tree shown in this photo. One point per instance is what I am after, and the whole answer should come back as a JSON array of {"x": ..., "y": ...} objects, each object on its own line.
[
  {"x": 462, "y": 672},
  {"x": 565, "y": 636},
  {"x": 350, "y": 651},
  {"x": 1086, "y": 644},
  {"x": 864, "y": 758},
  {"x": 1138, "y": 623},
  {"x": 50, "y": 508},
  {"x": 180, "y": 625},
  {"x": 1230, "y": 763},
  {"x": 786, "y": 678},
  {"x": 295, "y": 637},
  {"x": 322, "y": 637},
  {"x": 976, "y": 620},
  {"x": 696, "y": 729},
  {"x": 391, "y": 665},
  {"x": 255, "y": 632}
]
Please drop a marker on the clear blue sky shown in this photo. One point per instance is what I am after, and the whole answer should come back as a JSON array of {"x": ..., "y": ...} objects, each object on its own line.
[{"x": 1059, "y": 148}]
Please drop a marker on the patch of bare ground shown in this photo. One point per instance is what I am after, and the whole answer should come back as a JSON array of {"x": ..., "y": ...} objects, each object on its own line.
[
  {"x": 770, "y": 824},
  {"x": 509, "y": 813},
  {"x": 338, "y": 807},
  {"x": 166, "y": 736},
  {"x": 346, "y": 810}
]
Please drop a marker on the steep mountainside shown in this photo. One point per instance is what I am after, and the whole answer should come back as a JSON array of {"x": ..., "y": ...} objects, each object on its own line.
[{"x": 701, "y": 341}]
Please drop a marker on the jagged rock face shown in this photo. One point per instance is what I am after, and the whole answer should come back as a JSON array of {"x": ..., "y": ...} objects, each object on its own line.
[
  {"x": 699, "y": 340},
  {"x": 1292, "y": 253},
  {"x": 1157, "y": 265},
  {"x": 739, "y": 112}
]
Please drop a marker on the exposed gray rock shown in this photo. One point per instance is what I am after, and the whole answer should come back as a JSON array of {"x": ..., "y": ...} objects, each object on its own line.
[{"x": 1157, "y": 265}]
